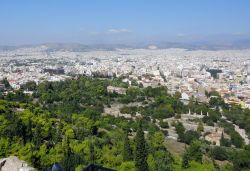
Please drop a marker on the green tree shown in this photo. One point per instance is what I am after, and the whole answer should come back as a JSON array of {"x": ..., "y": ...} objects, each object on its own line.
[
  {"x": 30, "y": 85},
  {"x": 219, "y": 153},
  {"x": 200, "y": 127},
  {"x": 127, "y": 150},
  {"x": 185, "y": 160},
  {"x": 28, "y": 131},
  {"x": 67, "y": 153},
  {"x": 180, "y": 130},
  {"x": 195, "y": 151},
  {"x": 224, "y": 142},
  {"x": 4, "y": 146},
  {"x": 127, "y": 166},
  {"x": 151, "y": 162},
  {"x": 163, "y": 160},
  {"x": 236, "y": 139},
  {"x": 6, "y": 83},
  {"x": 70, "y": 159},
  {"x": 241, "y": 159},
  {"x": 190, "y": 136},
  {"x": 140, "y": 150},
  {"x": 163, "y": 124},
  {"x": 157, "y": 141},
  {"x": 37, "y": 138},
  {"x": 58, "y": 133},
  {"x": 177, "y": 95}
]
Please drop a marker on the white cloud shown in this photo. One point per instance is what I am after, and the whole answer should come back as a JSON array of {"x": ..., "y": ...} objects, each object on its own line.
[
  {"x": 119, "y": 30},
  {"x": 237, "y": 33},
  {"x": 180, "y": 35}
]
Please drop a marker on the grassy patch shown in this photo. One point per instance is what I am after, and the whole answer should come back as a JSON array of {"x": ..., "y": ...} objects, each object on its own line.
[{"x": 175, "y": 147}]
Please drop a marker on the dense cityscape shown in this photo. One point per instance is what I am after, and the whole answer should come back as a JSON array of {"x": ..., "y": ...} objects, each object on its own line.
[
  {"x": 125, "y": 85},
  {"x": 189, "y": 72},
  {"x": 218, "y": 78}
]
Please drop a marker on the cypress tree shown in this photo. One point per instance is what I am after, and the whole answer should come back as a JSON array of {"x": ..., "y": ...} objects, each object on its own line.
[
  {"x": 185, "y": 161},
  {"x": 67, "y": 156},
  {"x": 28, "y": 130},
  {"x": 70, "y": 160},
  {"x": 92, "y": 152},
  {"x": 222, "y": 140},
  {"x": 200, "y": 127},
  {"x": 94, "y": 132},
  {"x": 140, "y": 150},
  {"x": 19, "y": 129},
  {"x": 127, "y": 150},
  {"x": 180, "y": 130},
  {"x": 58, "y": 133},
  {"x": 37, "y": 139}
]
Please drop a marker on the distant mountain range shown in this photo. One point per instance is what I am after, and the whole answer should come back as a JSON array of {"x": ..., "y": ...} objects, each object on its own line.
[
  {"x": 69, "y": 46},
  {"x": 239, "y": 44}
]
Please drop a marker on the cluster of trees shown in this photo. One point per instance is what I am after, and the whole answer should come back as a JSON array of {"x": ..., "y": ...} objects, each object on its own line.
[
  {"x": 235, "y": 139},
  {"x": 62, "y": 122},
  {"x": 41, "y": 139},
  {"x": 240, "y": 158},
  {"x": 17, "y": 96},
  {"x": 193, "y": 152},
  {"x": 239, "y": 116},
  {"x": 160, "y": 104},
  {"x": 29, "y": 86},
  {"x": 154, "y": 155},
  {"x": 198, "y": 148},
  {"x": 186, "y": 136},
  {"x": 130, "y": 110},
  {"x": 6, "y": 83},
  {"x": 73, "y": 96},
  {"x": 133, "y": 94}
]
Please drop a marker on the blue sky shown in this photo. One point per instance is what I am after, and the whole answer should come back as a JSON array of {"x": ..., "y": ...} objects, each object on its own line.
[{"x": 122, "y": 21}]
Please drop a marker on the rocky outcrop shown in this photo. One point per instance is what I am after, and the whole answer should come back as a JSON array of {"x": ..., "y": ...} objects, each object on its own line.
[{"x": 12, "y": 163}]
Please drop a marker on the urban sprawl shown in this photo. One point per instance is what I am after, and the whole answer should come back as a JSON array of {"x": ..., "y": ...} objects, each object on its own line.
[
  {"x": 193, "y": 73},
  {"x": 189, "y": 72}
]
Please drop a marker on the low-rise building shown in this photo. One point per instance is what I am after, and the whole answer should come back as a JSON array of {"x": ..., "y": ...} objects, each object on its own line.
[
  {"x": 215, "y": 136},
  {"x": 118, "y": 90}
]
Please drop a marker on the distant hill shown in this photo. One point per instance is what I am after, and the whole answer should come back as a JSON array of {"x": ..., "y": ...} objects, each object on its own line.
[
  {"x": 66, "y": 46},
  {"x": 77, "y": 47},
  {"x": 203, "y": 45}
]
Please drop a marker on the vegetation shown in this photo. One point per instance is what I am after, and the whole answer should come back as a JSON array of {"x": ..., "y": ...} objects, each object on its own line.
[
  {"x": 6, "y": 83},
  {"x": 140, "y": 150},
  {"x": 185, "y": 160},
  {"x": 63, "y": 122},
  {"x": 127, "y": 150}
]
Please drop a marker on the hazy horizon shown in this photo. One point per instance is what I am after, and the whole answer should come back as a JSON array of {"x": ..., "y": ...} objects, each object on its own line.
[{"x": 128, "y": 22}]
